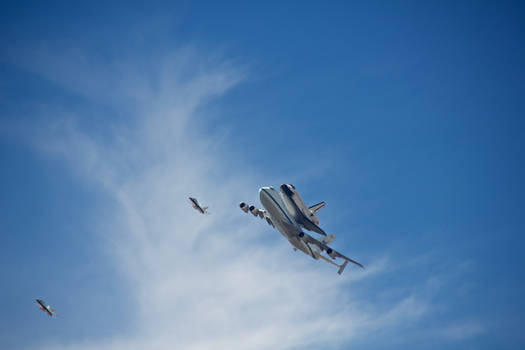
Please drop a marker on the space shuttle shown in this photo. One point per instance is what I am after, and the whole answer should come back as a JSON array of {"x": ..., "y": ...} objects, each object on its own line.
[{"x": 303, "y": 215}]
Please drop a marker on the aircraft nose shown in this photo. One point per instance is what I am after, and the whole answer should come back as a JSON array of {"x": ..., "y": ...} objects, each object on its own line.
[
  {"x": 265, "y": 195},
  {"x": 264, "y": 191}
]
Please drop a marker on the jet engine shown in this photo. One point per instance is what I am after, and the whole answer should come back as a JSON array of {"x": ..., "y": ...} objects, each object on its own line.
[
  {"x": 243, "y": 207},
  {"x": 331, "y": 253},
  {"x": 256, "y": 212},
  {"x": 252, "y": 209}
]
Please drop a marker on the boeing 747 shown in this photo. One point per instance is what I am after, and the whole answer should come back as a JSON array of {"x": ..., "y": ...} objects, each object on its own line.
[{"x": 289, "y": 223}]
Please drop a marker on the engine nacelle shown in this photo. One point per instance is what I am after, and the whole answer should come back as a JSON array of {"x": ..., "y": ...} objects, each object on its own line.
[
  {"x": 331, "y": 253},
  {"x": 254, "y": 211},
  {"x": 243, "y": 207}
]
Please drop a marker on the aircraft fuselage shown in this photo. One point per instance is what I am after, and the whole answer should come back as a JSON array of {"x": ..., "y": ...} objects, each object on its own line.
[
  {"x": 44, "y": 307},
  {"x": 195, "y": 204},
  {"x": 284, "y": 221}
]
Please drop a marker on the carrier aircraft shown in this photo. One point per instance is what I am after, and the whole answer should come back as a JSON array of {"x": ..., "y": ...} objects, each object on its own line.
[{"x": 287, "y": 212}]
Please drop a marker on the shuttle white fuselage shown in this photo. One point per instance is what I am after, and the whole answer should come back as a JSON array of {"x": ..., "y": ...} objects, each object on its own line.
[{"x": 303, "y": 215}]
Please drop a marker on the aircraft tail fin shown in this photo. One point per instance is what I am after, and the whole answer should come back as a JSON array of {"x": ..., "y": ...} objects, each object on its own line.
[
  {"x": 342, "y": 267},
  {"x": 316, "y": 207},
  {"x": 204, "y": 208},
  {"x": 53, "y": 310}
]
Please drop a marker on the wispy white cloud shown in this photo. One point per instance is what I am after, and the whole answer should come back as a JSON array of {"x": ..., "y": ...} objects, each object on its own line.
[
  {"x": 199, "y": 282},
  {"x": 461, "y": 330}
]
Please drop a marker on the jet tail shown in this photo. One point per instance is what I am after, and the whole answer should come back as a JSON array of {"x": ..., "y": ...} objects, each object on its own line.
[{"x": 342, "y": 267}]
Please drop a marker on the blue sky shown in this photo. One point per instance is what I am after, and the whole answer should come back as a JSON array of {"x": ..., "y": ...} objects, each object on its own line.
[{"x": 404, "y": 117}]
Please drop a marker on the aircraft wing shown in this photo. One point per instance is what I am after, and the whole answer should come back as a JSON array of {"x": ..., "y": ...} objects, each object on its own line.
[
  {"x": 309, "y": 225},
  {"x": 256, "y": 212},
  {"x": 331, "y": 252},
  {"x": 44, "y": 307},
  {"x": 266, "y": 217}
]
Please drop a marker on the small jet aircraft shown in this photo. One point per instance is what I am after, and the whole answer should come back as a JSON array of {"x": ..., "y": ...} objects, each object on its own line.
[
  {"x": 289, "y": 224},
  {"x": 44, "y": 307},
  {"x": 195, "y": 204}
]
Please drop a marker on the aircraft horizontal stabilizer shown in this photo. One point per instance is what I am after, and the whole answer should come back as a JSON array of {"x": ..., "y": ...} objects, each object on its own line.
[{"x": 342, "y": 267}]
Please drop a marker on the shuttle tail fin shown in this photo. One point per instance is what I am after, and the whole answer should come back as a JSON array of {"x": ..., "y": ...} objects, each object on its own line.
[{"x": 316, "y": 207}]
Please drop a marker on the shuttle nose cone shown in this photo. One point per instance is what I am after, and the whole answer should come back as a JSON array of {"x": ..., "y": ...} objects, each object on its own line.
[{"x": 286, "y": 189}]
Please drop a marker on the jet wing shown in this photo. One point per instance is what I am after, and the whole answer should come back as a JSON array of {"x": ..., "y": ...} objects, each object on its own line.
[
  {"x": 331, "y": 252},
  {"x": 309, "y": 225},
  {"x": 266, "y": 217},
  {"x": 44, "y": 307},
  {"x": 195, "y": 206},
  {"x": 256, "y": 212}
]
